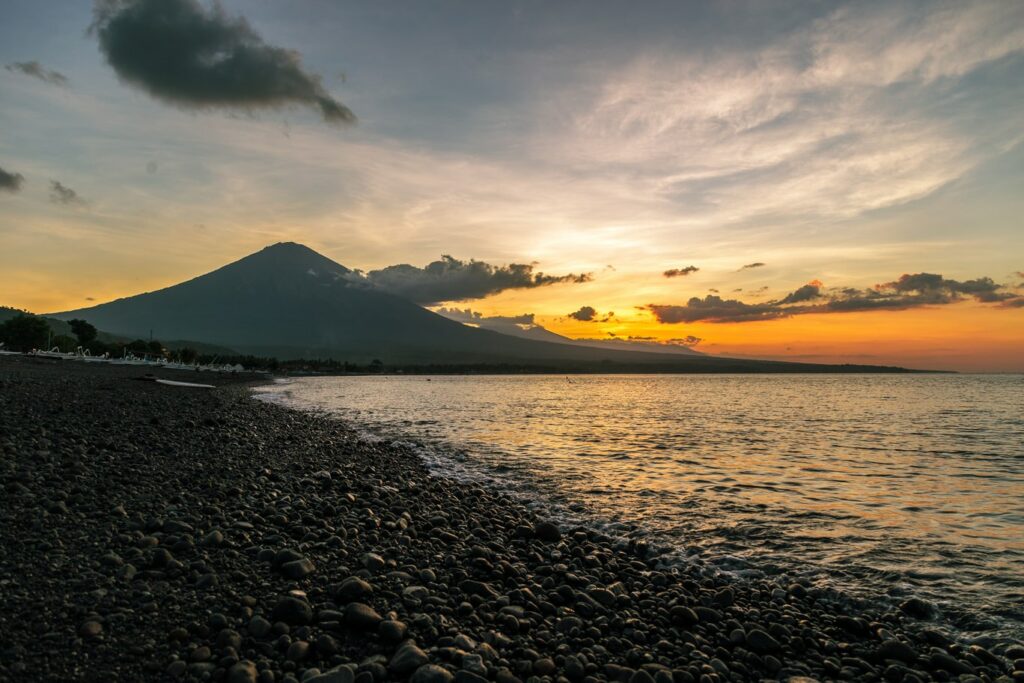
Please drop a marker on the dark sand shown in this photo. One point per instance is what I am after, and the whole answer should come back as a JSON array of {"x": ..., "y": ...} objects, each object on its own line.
[{"x": 150, "y": 532}]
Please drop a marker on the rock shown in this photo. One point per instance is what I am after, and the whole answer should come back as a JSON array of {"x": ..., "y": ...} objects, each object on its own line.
[
  {"x": 431, "y": 673},
  {"x": 90, "y": 629},
  {"x": 298, "y": 569},
  {"x": 297, "y": 651},
  {"x": 177, "y": 668},
  {"x": 242, "y": 672},
  {"x": 898, "y": 650},
  {"x": 259, "y": 627},
  {"x": 392, "y": 630},
  {"x": 761, "y": 643},
  {"x": 213, "y": 539},
  {"x": 683, "y": 615},
  {"x": 544, "y": 666},
  {"x": 293, "y": 611},
  {"x": 473, "y": 587},
  {"x": 352, "y": 588},
  {"x": 374, "y": 562},
  {"x": 342, "y": 674},
  {"x": 602, "y": 596},
  {"x": 362, "y": 617},
  {"x": 547, "y": 532},
  {"x": 918, "y": 608},
  {"x": 464, "y": 676},
  {"x": 407, "y": 658}
]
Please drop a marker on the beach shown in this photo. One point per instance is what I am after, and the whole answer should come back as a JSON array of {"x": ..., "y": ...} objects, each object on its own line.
[{"x": 156, "y": 532}]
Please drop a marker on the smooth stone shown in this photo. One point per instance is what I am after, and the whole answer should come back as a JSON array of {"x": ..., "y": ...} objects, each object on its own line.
[
  {"x": 259, "y": 627},
  {"x": 392, "y": 630},
  {"x": 353, "y": 588},
  {"x": 761, "y": 643},
  {"x": 547, "y": 532},
  {"x": 298, "y": 569},
  {"x": 408, "y": 657},
  {"x": 293, "y": 611},
  {"x": 431, "y": 673},
  {"x": 90, "y": 629},
  {"x": 342, "y": 674},
  {"x": 895, "y": 649},
  {"x": 242, "y": 672},
  {"x": 360, "y": 616}
]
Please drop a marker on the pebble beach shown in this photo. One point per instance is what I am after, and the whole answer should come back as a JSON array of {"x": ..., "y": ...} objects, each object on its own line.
[{"x": 170, "y": 533}]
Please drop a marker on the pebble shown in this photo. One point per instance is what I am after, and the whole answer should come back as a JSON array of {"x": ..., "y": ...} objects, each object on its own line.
[{"x": 431, "y": 673}]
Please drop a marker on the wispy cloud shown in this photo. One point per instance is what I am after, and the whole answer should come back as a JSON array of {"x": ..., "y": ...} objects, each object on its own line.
[
  {"x": 37, "y": 70},
  {"x": 10, "y": 181},
  {"x": 62, "y": 194},
  {"x": 680, "y": 272},
  {"x": 840, "y": 118}
]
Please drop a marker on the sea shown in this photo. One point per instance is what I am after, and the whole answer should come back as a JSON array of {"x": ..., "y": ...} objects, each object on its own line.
[{"x": 879, "y": 487}]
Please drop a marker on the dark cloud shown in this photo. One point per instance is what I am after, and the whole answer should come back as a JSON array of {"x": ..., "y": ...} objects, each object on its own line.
[
  {"x": 10, "y": 181},
  {"x": 753, "y": 265},
  {"x": 183, "y": 53},
  {"x": 681, "y": 272},
  {"x": 586, "y": 314},
  {"x": 908, "y": 291},
  {"x": 714, "y": 308},
  {"x": 62, "y": 194},
  {"x": 37, "y": 70},
  {"x": 466, "y": 315},
  {"x": 687, "y": 341},
  {"x": 453, "y": 280},
  {"x": 810, "y": 291}
]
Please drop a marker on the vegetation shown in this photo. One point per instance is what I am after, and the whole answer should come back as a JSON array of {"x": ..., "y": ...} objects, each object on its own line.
[{"x": 24, "y": 332}]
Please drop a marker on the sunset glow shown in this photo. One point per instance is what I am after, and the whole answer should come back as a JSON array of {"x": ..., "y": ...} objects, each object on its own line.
[{"x": 850, "y": 145}]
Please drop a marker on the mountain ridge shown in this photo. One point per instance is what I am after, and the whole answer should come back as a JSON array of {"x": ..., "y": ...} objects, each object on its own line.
[{"x": 289, "y": 301}]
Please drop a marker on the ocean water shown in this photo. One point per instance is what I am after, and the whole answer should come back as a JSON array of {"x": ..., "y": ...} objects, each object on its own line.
[{"x": 880, "y": 486}]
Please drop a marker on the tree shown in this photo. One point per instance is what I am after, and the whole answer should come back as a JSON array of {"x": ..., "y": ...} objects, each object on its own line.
[
  {"x": 24, "y": 332},
  {"x": 187, "y": 355},
  {"x": 137, "y": 346},
  {"x": 376, "y": 365},
  {"x": 156, "y": 348},
  {"x": 64, "y": 343},
  {"x": 83, "y": 330}
]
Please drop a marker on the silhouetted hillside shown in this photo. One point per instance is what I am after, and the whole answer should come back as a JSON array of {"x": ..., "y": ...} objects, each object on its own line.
[{"x": 290, "y": 302}]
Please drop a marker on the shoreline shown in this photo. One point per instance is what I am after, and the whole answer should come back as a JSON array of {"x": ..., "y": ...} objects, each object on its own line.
[{"x": 153, "y": 532}]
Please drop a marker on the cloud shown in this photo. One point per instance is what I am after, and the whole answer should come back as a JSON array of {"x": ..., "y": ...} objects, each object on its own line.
[
  {"x": 810, "y": 291},
  {"x": 451, "y": 279},
  {"x": 585, "y": 314},
  {"x": 37, "y": 70},
  {"x": 688, "y": 341},
  {"x": 62, "y": 194},
  {"x": 10, "y": 181},
  {"x": 907, "y": 291},
  {"x": 467, "y": 315},
  {"x": 681, "y": 272},
  {"x": 185, "y": 54},
  {"x": 753, "y": 265},
  {"x": 588, "y": 314}
]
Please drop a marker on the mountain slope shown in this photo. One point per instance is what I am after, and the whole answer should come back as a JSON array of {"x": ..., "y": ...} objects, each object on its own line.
[{"x": 291, "y": 302}]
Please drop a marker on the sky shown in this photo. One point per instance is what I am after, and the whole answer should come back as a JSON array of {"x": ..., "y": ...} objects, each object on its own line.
[{"x": 835, "y": 182}]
